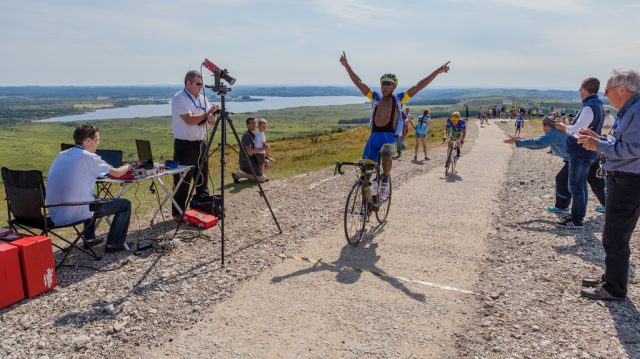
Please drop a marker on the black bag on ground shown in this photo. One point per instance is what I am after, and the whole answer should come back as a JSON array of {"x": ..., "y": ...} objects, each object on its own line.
[{"x": 208, "y": 204}]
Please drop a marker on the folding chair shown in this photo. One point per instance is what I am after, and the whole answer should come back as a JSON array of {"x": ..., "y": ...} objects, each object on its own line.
[{"x": 25, "y": 195}]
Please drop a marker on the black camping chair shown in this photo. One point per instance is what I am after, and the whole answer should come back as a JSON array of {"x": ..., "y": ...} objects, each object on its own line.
[{"x": 27, "y": 210}]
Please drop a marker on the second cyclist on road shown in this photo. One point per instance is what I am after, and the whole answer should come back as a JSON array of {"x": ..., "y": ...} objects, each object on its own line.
[{"x": 456, "y": 130}]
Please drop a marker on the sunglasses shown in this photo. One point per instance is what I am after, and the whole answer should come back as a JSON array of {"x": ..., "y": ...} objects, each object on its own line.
[
  {"x": 198, "y": 83},
  {"x": 386, "y": 83}
]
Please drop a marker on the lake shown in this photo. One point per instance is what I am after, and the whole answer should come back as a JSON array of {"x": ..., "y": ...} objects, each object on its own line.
[{"x": 267, "y": 103}]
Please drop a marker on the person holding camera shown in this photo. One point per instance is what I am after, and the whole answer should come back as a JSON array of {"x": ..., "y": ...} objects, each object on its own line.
[
  {"x": 72, "y": 178},
  {"x": 190, "y": 112}
]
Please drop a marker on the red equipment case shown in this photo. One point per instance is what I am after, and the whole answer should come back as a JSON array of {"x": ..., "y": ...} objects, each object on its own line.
[
  {"x": 38, "y": 266},
  {"x": 200, "y": 219},
  {"x": 11, "y": 290}
]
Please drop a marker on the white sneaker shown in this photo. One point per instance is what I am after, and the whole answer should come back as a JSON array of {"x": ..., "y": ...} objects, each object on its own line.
[{"x": 384, "y": 191}]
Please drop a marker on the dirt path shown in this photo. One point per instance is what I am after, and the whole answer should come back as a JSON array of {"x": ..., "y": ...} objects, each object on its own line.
[{"x": 435, "y": 236}]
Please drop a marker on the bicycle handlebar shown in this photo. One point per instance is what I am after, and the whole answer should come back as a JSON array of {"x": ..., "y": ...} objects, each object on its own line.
[{"x": 338, "y": 168}]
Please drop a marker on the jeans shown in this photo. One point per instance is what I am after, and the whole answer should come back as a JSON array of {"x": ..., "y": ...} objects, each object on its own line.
[
  {"x": 563, "y": 196},
  {"x": 188, "y": 153},
  {"x": 621, "y": 216},
  {"x": 121, "y": 209},
  {"x": 578, "y": 171}
]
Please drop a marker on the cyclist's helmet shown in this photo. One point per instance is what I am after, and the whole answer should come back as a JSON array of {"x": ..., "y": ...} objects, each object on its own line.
[
  {"x": 389, "y": 77},
  {"x": 455, "y": 117}
]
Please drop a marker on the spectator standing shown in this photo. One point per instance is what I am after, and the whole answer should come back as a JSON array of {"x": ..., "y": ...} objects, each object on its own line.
[
  {"x": 190, "y": 112},
  {"x": 557, "y": 141},
  {"x": 622, "y": 150},
  {"x": 422, "y": 127},
  {"x": 591, "y": 115}
]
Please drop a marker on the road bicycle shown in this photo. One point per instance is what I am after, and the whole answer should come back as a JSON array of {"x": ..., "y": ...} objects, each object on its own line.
[
  {"x": 452, "y": 158},
  {"x": 363, "y": 199}
]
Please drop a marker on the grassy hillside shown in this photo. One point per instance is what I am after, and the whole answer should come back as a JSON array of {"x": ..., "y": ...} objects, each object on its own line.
[{"x": 302, "y": 140}]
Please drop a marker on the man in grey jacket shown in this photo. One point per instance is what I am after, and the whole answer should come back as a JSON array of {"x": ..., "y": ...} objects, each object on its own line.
[{"x": 622, "y": 150}]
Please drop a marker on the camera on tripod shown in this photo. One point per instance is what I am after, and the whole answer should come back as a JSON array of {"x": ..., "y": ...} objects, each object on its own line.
[{"x": 220, "y": 73}]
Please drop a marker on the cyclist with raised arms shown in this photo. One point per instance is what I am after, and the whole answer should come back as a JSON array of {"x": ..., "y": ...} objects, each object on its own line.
[
  {"x": 456, "y": 130},
  {"x": 386, "y": 119}
]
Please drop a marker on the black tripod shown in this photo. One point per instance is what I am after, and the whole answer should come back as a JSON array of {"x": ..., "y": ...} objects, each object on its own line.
[{"x": 222, "y": 90}]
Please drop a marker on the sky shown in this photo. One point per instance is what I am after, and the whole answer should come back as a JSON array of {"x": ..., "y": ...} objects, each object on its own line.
[{"x": 491, "y": 43}]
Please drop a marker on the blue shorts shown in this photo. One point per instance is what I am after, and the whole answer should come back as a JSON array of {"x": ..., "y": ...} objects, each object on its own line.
[
  {"x": 379, "y": 141},
  {"x": 421, "y": 135}
]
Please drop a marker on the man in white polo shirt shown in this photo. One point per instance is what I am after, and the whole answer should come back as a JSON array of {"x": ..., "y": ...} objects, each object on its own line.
[
  {"x": 190, "y": 112},
  {"x": 72, "y": 178}
]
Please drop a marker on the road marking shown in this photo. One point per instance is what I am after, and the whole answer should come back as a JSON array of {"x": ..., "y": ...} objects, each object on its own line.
[
  {"x": 316, "y": 184},
  {"x": 376, "y": 273}
]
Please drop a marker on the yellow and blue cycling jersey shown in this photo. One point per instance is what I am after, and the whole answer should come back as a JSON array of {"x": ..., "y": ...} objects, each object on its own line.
[
  {"x": 454, "y": 130},
  {"x": 383, "y": 141},
  {"x": 401, "y": 98}
]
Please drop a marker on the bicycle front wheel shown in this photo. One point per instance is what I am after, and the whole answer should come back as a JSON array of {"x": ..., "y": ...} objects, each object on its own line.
[
  {"x": 383, "y": 206},
  {"x": 355, "y": 214},
  {"x": 449, "y": 161},
  {"x": 454, "y": 161}
]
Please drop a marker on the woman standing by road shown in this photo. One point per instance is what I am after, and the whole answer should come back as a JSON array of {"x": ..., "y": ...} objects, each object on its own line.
[{"x": 422, "y": 127}]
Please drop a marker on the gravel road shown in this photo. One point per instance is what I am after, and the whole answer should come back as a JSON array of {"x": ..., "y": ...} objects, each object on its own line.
[{"x": 485, "y": 230}]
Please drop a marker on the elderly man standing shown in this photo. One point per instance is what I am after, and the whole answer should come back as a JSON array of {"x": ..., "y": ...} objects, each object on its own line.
[
  {"x": 591, "y": 116},
  {"x": 622, "y": 149}
]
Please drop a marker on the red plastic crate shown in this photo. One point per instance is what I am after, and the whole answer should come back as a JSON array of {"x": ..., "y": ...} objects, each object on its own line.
[
  {"x": 37, "y": 264},
  {"x": 200, "y": 219},
  {"x": 11, "y": 290}
]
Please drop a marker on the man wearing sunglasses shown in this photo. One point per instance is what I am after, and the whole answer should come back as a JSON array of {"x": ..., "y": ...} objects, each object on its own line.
[
  {"x": 190, "y": 112},
  {"x": 386, "y": 120},
  {"x": 72, "y": 178}
]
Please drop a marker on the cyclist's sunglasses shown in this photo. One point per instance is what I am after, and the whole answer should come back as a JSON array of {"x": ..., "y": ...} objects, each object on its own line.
[{"x": 386, "y": 83}]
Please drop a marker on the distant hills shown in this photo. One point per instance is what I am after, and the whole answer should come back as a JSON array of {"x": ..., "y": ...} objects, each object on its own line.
[
  {"x": 115, "y": 92},
  {"x": 28, "y": 103}
]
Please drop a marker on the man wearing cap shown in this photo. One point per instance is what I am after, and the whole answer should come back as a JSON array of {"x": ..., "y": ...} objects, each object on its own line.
[
  {"x": 622, "y": 150},
  {"x": 557, "y": 141},
  {"x": 386, "y": 121}
]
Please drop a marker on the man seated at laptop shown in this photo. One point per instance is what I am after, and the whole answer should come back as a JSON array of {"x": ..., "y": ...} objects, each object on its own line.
[{"x": 72, "y": 178}]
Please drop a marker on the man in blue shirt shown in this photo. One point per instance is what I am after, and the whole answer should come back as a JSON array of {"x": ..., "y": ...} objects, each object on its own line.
[
  {"x": 622, "y": 151},
  {"x": 557, "y": 141}
]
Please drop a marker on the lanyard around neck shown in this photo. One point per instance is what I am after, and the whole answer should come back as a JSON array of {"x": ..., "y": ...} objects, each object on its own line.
[{"x": 197, "y": 104}]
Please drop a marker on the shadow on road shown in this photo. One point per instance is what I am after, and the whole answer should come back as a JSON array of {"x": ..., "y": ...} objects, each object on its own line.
[{"x": 354, "y": 261}]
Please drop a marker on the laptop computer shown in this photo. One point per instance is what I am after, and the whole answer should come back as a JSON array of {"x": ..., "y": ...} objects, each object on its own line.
[
  {"x": 112, "y": 157},
  {"x": 144, "y": 153}
]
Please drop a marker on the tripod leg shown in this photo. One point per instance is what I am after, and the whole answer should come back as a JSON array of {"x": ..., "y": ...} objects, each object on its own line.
[
  {"x": 253, "y": 171},
  {"x": 194, "y": 178}
]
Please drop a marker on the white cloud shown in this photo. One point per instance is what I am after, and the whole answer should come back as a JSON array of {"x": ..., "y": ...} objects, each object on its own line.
[
  {"x": 357, "y": 11},
  {"x": 555, "y": 6}
]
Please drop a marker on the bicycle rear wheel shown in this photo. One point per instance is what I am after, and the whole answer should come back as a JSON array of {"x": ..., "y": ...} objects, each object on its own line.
[
  {"x": 355, "y": 214},
  {"x": 383, "y": 206}
]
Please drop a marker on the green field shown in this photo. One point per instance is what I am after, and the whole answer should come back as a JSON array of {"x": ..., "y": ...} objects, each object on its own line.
[{"x": 302, "y": 139}]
